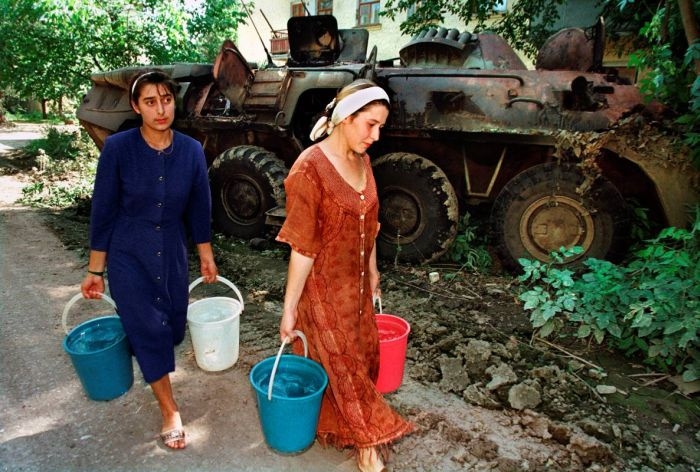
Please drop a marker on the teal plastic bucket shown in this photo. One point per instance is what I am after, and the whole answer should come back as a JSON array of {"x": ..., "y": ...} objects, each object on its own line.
[
  {"x": 100, "y": 354},
  {"x": 289, "y": 390}
]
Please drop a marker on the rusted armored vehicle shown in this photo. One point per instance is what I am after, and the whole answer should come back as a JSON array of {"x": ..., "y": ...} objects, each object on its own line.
[{"x": 470, "y": 127}]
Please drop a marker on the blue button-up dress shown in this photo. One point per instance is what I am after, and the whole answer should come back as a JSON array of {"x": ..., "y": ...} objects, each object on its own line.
[{"x": 143, "y": 204}]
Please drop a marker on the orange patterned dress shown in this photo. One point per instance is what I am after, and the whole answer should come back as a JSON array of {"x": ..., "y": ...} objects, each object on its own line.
[{"x": 332, "y": 223}]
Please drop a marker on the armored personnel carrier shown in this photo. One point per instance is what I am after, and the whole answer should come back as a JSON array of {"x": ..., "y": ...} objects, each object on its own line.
[{"x": 470, "y": 128}]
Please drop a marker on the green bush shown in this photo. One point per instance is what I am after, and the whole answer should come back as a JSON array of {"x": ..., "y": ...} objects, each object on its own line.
[
  {"x": 649, "y": 306},
  {"x": 65, "y": 169},
  {"x": 469, "y": 247}
]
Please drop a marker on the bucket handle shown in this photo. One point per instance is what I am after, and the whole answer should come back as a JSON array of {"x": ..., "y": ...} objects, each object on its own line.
[
  {"x": 78, "y": 296},
  {"x": 223, "y": 281},
  {"x": 375, "y": 300},
  {"x": 277, "y": 359}
]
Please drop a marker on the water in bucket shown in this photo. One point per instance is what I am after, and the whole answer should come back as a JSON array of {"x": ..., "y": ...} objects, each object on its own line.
[
  {"x": 292, "y": 384},
  {"x": 93, "y": 337}
]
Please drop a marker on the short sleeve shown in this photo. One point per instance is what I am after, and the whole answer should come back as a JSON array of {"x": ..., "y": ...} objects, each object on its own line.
[{"x": 301, "y": 226}]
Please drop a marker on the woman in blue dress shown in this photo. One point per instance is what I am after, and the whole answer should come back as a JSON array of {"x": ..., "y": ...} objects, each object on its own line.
[{"x": 151, "y": 188}]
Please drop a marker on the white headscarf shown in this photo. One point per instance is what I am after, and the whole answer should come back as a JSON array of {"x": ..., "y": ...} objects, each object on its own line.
[{"x": 346, "y": 107}]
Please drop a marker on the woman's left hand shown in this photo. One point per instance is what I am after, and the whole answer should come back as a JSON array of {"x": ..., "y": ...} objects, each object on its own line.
[
  {"x": 374, "y": 284},
  {"x": 207, "y": 266},
  {"x": 209, "y": 271}
]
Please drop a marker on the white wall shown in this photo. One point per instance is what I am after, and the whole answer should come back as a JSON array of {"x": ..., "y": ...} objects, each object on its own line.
[{"x": 385, "y": 36}]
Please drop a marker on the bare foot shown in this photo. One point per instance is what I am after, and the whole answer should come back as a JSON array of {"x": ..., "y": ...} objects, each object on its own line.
[
  {"x": 172, "y": 434},
  {"x": 368, "y": 460}
]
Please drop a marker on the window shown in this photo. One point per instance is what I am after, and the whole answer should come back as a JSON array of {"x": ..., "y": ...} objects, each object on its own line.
[
  {"x": 324, "y": 7},
  {"x": 368, "y": 12},
  {"x": 298, "y": 9},
  {"x": 501, "y": 6},
  {"x": 411, "y": 10}
]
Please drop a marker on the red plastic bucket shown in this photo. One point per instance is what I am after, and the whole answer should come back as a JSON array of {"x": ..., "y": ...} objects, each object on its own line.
[{"x": 393, "y": 338}]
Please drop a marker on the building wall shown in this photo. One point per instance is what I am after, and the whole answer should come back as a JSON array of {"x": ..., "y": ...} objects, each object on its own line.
[{"x": 386, "y": 35}]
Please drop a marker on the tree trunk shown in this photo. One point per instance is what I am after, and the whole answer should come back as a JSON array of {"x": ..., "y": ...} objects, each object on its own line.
[
  {"x": 44, "y": 115},
  {"x": 690, "y": 26}
]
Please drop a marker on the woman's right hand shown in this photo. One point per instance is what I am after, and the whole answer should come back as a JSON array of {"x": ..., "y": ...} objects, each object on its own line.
[
  {"x": 93, "y": 286},
  {"x": 287, "y": 324}
]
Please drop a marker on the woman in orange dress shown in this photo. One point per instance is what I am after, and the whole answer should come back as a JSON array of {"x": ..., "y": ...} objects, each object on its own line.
[{"x": 331, "y": 225}]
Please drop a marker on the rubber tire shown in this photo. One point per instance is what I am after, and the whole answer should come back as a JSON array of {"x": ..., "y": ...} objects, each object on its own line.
[
  {"x": 428, "y": 202},
  {"x": 246, "y": 182},
  {"x": 601, "y": 213}
]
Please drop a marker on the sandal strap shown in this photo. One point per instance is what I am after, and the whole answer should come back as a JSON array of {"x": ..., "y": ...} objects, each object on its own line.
[{"x": 172, "y": 435}]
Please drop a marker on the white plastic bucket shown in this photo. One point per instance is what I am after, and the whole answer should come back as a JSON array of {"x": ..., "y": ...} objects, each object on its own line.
[{"x": 214, "y": 324}]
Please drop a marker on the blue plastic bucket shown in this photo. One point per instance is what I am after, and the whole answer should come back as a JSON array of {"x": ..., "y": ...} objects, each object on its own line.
[
  {"x": 100, "y": 353},
  {"x": 289, "y": 391}
]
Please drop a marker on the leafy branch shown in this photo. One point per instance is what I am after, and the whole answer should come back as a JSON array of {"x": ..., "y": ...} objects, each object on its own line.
[{"x": 650, "y": 306}]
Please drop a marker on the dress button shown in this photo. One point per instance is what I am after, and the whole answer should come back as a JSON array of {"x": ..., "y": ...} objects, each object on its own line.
[
  {"x": 157, "y": 227},
  {"x": 159, "y": 204},
  {"x": 158, "y": 253},
  {"x": 362, "y": 273},
  {"x": 161, "y": 178},
  {"x": 362, "y": 197},
  {"x": 165, "y": 323},
  {"x": 362, "y": 217},
  {"x": 362, "y": 253},
  {"x": 362, "y": 235},
  {"x": 158, "y": 278},
  {"x": 157, "y": 299}
]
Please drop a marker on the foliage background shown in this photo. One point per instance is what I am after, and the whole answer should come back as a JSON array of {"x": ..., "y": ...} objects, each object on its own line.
[{"x": 49, "y": 48}]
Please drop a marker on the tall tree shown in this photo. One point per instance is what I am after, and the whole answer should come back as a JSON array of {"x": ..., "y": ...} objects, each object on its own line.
[{"x": 49, "y": 48}]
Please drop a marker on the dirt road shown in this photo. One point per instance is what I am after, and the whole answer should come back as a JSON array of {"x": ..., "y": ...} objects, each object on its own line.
[
  {"x": 48, "y": 422},
  {"x": 481, "y": 399}
]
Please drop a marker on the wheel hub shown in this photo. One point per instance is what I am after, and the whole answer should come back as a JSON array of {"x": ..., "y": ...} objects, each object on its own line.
[
  {"x": 242, "y": 199},
  {"x": 550, "y": 223},
  {"x": 401, "y": 216}
]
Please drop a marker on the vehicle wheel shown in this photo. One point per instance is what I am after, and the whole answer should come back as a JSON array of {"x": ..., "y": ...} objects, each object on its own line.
[
  {"x": 540, "y": 211},
  {"x": 246, "y": 181},
  {"x": 418, "y": 208}
]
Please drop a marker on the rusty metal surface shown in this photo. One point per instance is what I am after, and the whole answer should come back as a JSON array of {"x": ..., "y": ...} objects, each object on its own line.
[
  {"x": 313, "y": 40},
  {"x": 438, "y": 48},
  {"x": 232, "y": 74},
  {"x": 568, "y": 49},
  {"x": 496, "y": 53},
  {"x": 492, "y": 101}
]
